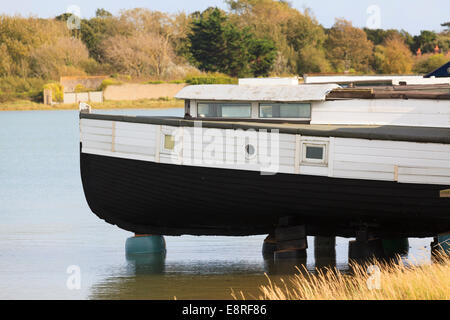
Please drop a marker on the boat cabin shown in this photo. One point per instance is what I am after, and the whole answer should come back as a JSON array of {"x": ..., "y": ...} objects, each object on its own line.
[
  {"x": 254, "y": 99},
  {"x": 284, "y": 100}
]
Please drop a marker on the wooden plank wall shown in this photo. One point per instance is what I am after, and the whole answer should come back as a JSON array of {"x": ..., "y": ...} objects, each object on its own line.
[
  {"x": 427, "y": 113},
  {"x": 404, "y": 162}
]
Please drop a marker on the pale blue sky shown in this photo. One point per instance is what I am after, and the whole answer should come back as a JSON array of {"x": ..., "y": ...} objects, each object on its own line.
[{"x": 411, "y": 15}]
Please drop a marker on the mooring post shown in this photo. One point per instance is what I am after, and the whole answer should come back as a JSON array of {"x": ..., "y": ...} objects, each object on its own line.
[{"x": 144, "y": 244}]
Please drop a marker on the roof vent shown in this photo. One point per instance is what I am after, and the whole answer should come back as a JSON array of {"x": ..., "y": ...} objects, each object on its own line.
[{"x": 269, "y": 81}]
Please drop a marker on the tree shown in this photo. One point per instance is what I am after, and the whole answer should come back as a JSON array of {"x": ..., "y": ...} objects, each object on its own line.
[
  {"x": 394, "y": 56},
  {"x": 138, "y": 55},
  {"x": 313, "y": 59},
  {"x": 348, "y": 47},
  {"x": 94, "y": 31},
  {"x": 378, "y": 36},
  {"x": 5, "y": 61},
  {"x": 262, "y": 56},
  {"x": 21, "y": 35},
  {"x": 65, "y": 57},
  {"x": 102, "y": 13},
  {"x": 426, "y": 41},
  {"x": 267, "y": 19},
  {"x": 217, "y": 45},
  {"x": 208, "y": 40},
  {"x": 430, "y": 62}
]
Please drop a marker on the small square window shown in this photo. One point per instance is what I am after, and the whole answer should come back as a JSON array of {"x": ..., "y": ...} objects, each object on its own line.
[
  {"x": 169, "y": 142},
  {"x": 314, "y": 153}
]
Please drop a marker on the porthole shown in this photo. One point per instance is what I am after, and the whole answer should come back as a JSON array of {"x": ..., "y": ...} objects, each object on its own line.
[{"x": 250, "y": 151}]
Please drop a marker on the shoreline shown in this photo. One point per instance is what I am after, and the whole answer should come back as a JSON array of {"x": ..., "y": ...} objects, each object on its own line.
[{"x": 24, "y": 105}]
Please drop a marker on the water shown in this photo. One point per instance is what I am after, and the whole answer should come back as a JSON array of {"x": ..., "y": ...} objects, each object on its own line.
[{"x": 46, "y": 227}]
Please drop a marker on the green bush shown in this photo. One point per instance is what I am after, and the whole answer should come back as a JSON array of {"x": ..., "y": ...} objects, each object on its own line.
[
  {"x": 80, "y": 88},
  {"x": 18, "y": 88},
  {"x": 430, "y": 63},
  {"x": 154, "y": 82},
  {"x": 211, "y": 79},
  {"x": 109, "y": 82},
  {"x": 57, "y": 91},
  {"x": 177, "y": 81}
]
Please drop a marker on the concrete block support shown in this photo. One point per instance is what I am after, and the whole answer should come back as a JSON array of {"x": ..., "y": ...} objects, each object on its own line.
[
  {"x": 325, "y": 251},
  {"x": 291, "y": 243}
]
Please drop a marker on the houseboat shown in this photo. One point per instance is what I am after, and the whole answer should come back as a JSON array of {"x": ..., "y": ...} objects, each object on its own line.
[{"x": 246, "y": 156}]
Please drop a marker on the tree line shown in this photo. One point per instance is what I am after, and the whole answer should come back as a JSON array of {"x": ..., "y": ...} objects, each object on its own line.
[{"x": 252, "y": 38}]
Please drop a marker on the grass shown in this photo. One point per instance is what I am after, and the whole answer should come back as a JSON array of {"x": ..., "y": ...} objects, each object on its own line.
[
  {"x": 137, "y": 104},
  {"x": 397, "y": 281}
]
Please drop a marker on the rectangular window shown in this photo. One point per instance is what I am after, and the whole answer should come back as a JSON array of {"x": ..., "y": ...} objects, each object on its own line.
[
  {"x": 285, "y": 110},
  {"x": 169, "y": 142},
  {"x": 314, "y": 153},
  {"x": 224, "y": 110}
]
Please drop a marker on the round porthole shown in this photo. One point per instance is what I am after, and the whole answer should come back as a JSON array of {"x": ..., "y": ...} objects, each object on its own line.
[{"x": 250, "y": 151}]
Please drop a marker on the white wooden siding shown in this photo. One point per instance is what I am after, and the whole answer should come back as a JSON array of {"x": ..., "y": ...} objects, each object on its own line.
[
  {"x": 411, "y": 112},
  {"x": 427, "y": 163},
  {"x": 404, "y": 162}
]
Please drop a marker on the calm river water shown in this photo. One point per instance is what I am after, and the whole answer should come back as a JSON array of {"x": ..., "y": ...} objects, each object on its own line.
[{"x": 46, "y": 227}]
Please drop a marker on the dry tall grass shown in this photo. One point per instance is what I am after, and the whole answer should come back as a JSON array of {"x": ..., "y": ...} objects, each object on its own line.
[{"x": 397, "y": 281}]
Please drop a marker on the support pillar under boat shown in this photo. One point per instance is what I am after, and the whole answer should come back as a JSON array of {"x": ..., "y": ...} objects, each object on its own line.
[
  {"x": 441, "y": 245},
  {"x": 325, "y": 251},
  {"x": 395, "y": 246},
  {"x": 269, "y": 246},
  {"x": 291, "y": 243},
  {"x": 145, "y": 244},
  {"x": 363, "y": 250}
]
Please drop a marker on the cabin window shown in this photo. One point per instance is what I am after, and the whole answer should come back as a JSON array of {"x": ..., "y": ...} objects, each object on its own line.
[
  {"x": 224, "y": 110},
  {"x": 285, "y": 110},
  {"x": 169, "y": 142},
  {"x": 315, "y": 153}
]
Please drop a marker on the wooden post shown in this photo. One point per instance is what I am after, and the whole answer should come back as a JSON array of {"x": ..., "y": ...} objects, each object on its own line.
[{"x": 48, "y": 97}]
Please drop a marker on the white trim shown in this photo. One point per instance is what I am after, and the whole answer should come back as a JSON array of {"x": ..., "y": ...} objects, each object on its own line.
[
  {"x": 331, "y": 157},
  {"x": 158, "y": 143},
  {"x": 315, "y": 144},
  {"x": 298, "y": 147},
  {"x": 113, "y": 140}
]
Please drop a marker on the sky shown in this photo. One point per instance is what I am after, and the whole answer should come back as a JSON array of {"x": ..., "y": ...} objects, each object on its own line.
[{"x": 410, "y": 15}]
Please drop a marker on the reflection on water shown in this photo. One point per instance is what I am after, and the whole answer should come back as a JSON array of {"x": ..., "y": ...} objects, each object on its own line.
[
  {"x": 150, "y": 263},
  {"x": 151, "y": 276}
]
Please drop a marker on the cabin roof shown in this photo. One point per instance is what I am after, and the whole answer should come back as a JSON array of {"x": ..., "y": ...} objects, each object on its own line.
[
  {"x": 281, "y": 93},
  {"x": 433, "y": 92}
]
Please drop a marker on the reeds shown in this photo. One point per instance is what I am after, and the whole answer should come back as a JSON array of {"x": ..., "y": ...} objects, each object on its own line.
[{"x": 374, "y": 280}]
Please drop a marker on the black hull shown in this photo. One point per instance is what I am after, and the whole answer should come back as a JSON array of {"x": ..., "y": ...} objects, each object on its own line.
[{"x": 153, "y": 198}]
